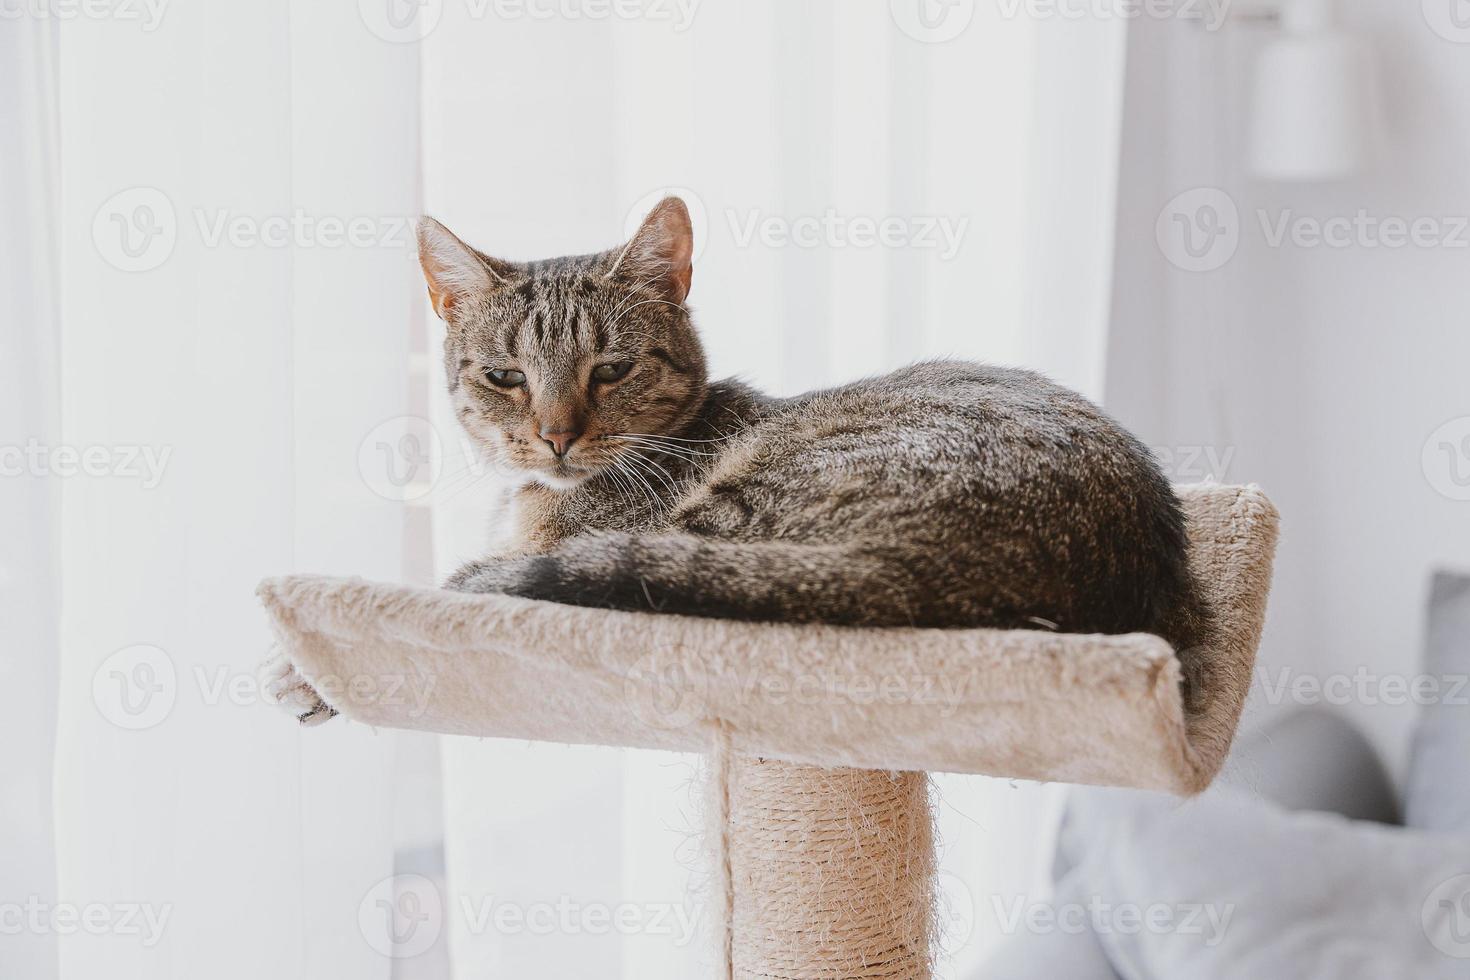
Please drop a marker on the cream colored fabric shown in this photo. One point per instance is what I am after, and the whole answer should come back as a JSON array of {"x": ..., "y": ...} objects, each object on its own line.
[{"x": 1023, "y": 704}]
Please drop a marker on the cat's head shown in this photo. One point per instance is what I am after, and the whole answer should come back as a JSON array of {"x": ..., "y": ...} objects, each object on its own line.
[{"x": 557, "y": 367}]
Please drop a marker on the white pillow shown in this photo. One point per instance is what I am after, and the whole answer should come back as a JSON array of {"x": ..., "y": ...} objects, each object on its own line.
[{"x": 1229, "y": 887}]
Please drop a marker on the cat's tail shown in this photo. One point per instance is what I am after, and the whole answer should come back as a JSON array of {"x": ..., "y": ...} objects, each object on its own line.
[{"x": 670, "y": 572}]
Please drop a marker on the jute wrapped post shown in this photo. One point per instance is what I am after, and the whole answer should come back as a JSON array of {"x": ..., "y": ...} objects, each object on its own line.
[
  {"x": 823, "y": 833},
  {"x": 831, "y": 871}
]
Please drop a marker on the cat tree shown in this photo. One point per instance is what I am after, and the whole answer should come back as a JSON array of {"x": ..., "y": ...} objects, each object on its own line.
[{"x": 821, "y": 736}]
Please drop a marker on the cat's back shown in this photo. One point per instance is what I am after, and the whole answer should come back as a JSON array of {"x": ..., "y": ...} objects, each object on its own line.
[
  {"x": 937, "y": 412},
  {"x": 974, "y": 480},
  {"x": 976, "y": 446}
]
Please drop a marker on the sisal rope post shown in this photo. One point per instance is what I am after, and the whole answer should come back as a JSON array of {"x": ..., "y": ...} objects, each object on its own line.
[{"x": 827, "y": 873}]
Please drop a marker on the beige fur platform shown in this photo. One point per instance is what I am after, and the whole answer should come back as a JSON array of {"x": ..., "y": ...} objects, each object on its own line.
[{"x": 1023, "y": 704}]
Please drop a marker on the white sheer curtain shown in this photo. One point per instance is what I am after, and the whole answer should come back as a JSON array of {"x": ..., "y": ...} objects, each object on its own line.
[
  {"x": 28, "y": 506},
  {"x": 213, "y": 347},
  {"x": 983, "y": 148},
  {"x": 186, "y": 424}
]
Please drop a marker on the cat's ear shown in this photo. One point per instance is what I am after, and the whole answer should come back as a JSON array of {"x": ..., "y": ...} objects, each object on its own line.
[
  {"x": 453, "y": 270},
  {"x": 661, "y": 251}
]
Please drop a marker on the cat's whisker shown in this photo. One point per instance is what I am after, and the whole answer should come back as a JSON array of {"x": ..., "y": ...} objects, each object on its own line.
[
  {"x": 651, "y": 435},
  {"x": 681, "y": 452},
  {"x": 624, "y": 488},
  {"x": 649, "y": 465},
  {"x": 623, "y": 465}
]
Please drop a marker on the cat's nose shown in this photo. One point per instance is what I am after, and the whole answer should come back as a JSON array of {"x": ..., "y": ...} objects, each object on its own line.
[{"x": 561, "y": 441}]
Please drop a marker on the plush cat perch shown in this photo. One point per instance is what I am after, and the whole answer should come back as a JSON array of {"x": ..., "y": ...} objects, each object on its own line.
[{"x": 827, "y": 854}]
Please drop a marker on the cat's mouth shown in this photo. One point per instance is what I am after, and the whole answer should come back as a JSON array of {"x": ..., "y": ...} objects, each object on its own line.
[{"x": 562, "y": 475}]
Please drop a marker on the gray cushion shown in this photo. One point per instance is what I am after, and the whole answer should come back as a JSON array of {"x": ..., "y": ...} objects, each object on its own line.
[
  {"x": 1437, "y": 793},
  {"x": 1224, "y": 887},
  {"x": 1043, "y": 949},
  {"x": 1314, "y": 759},
  {"x": 1311, "y": 759}
]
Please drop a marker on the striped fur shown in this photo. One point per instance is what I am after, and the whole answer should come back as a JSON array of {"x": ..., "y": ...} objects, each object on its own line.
[{"x": 944, "y": 494}]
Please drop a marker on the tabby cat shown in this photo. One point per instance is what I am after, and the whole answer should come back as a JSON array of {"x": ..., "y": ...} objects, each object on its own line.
[{"x": 945, "y": 494}]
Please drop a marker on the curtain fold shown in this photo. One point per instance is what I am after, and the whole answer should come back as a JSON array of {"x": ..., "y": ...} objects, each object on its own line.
[
  {"x": 29, "y": 493},
  {"x": 237, "y": 292}
]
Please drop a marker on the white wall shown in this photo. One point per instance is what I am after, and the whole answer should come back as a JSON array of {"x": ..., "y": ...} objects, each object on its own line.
[{"x": 1324, "y": 371}]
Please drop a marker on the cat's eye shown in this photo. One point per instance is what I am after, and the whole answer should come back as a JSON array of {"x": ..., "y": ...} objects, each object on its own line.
[
  {"x": 612, "y": 372},
  {"x": 505, "y": 377}
]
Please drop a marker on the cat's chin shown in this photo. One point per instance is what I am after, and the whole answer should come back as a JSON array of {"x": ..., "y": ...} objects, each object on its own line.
[{"x": 563, "y": 478}]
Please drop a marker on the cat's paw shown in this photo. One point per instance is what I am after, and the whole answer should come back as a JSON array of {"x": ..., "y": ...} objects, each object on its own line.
[{"x": 283, "y": 685}]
